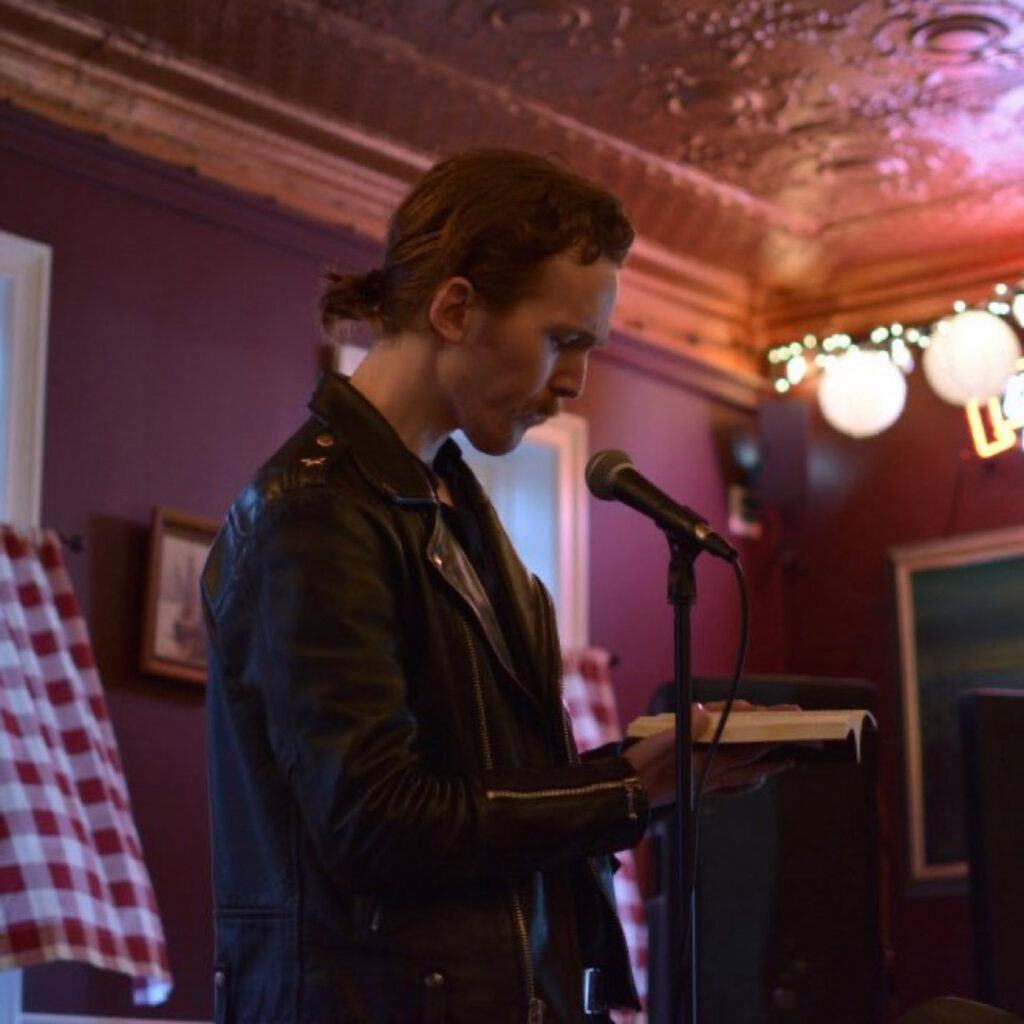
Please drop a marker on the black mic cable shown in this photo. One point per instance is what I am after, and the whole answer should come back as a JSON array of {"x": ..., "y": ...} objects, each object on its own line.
[{"x": 734, "y": 685}]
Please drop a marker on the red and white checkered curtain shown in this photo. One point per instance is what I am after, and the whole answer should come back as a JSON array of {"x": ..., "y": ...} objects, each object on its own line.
[
  {"x": 73, "y": 884},
  {"x": 595, "y": 721}
]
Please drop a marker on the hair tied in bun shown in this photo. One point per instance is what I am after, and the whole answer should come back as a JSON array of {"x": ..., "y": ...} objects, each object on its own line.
[{"x": 372, "y": 290}]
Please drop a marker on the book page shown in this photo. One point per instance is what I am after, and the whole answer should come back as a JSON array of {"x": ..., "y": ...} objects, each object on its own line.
[{"x": 765, "y": 726}]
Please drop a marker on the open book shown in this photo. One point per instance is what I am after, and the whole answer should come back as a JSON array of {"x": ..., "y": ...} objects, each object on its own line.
[{"x": 766, "y": 726}]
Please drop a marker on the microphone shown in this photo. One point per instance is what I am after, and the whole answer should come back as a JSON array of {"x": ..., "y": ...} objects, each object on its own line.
[{"x": 611, "y": 476}]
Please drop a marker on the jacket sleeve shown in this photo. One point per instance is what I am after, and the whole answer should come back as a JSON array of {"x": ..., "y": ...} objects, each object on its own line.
[{"x": 326, "y": 654}]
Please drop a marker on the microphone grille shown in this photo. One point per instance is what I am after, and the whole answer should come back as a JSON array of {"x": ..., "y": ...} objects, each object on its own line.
[{"x": 602, "y": 469}]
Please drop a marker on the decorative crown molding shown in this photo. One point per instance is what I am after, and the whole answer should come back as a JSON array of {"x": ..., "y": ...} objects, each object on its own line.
[
  {"x": 831, "y": 270},
  {"x": 312, "y": 164}
]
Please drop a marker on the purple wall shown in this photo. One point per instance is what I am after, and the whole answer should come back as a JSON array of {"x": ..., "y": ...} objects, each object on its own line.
[
  {"x": 183, "y": 345},
  {"x": 679, "y": 439}
]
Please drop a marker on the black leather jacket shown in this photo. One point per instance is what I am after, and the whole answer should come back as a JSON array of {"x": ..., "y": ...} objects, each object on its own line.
[{"x": 402, "y": 830}]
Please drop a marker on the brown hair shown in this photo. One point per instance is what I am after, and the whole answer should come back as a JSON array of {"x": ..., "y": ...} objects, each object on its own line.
[{"x": 489, "y": 215}]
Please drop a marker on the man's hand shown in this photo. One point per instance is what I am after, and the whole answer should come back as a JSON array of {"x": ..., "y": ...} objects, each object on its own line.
[
  {"x": 736, "y": 767},
  {"x": 740, "y": 768}
]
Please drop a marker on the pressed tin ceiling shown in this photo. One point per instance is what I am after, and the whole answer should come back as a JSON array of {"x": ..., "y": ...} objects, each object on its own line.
[{"x": 786, "y": 146}]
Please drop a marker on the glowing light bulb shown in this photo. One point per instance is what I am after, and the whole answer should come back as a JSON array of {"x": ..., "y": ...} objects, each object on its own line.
[
  {"x": 796, "y": 369},
  {"x": 862, "y": 393},
  {"x": 901, "y": 355},
  {"x": 971, "y": 356}
]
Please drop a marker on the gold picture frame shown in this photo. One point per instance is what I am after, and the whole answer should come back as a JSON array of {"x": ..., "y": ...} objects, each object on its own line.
[{"x": 173, "y": 635}]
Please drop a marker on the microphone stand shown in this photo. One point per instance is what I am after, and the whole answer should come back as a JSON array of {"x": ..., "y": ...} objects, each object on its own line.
[{"x": 682, "y": 595}]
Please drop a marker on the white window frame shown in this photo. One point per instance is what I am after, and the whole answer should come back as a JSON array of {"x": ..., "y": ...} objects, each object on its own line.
[
  {"x": 25, "y": 274},
  {"x": 567, "y": 434}
]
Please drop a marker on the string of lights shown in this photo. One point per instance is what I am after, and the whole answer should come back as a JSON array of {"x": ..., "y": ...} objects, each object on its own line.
[
  {"x": 971, "y": 358},
  {"x": 791, "y": 363}
]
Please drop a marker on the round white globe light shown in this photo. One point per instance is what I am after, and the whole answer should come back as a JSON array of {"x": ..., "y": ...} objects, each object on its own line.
[
  {"x": 861, "y": 393},
  {"x": 970, "y": 356}
]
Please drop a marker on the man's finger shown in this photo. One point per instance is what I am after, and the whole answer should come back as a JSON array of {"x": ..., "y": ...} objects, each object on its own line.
[
  {"x": 744, "y": 775},
  {"x": 737, "y": 754}
]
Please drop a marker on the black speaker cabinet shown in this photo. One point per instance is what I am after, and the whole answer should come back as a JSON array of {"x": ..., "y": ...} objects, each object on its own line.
[
  {"x": 782, "y": 433},
  {"x": 788, "y": 926},
  {"x": 992, "y": 728}
]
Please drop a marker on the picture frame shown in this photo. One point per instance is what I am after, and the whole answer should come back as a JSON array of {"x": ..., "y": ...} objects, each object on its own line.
[
  {"x": 960, "y": 606},
  {"x": 173, "y": 635}
]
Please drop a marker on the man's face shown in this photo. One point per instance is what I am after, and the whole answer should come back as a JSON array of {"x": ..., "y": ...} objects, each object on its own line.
[{"x": 512, "y": 370}]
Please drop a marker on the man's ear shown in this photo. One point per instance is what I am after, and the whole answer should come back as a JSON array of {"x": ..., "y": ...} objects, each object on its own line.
[{"x": 448, "y": 313}]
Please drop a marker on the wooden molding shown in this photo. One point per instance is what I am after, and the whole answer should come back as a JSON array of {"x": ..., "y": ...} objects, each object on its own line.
[
  {"x": 904, "y": 291},
  {"x": 325, "y": 180},
  {"x": 64, "y": 67},
  {"x": 217, "y": 126},
  {"x": 688, "y": 370},
  {"x": 70, "y": 68}
]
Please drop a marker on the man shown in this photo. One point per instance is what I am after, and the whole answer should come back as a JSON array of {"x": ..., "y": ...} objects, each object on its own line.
[{"x": 402, "y": 828}]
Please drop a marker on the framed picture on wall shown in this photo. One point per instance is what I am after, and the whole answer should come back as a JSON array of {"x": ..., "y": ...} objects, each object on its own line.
[
  {"x": 173, "y": 635},
  {"x": 960, "y": 605}
]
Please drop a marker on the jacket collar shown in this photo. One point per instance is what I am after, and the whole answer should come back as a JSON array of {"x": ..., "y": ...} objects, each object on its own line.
[
  {"x": 404, "y": 480},
  {"x": 357, "y": 424},
  {"x": 531, "y": 630}
]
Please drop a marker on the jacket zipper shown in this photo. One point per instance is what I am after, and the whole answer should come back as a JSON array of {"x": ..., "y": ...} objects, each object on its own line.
[
  {"x": 631, "y": 786},
  {"x": 478, "y": 698},
  {"x": 534, "y": 1006},
  {"x": 570, "y": 747}
]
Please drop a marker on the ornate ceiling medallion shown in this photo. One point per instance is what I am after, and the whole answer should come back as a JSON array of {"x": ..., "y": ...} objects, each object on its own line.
[
  {"x": 964, "y": 37},
  {"x": 539, "y": 18},
  {"x": 962, "y": 33}
]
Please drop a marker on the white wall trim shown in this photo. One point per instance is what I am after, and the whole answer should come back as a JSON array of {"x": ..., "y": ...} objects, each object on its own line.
[{"x": 25, "y": 273}]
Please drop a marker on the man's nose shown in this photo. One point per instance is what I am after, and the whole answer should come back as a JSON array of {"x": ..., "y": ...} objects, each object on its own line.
[{"x": 570, "y": 375}]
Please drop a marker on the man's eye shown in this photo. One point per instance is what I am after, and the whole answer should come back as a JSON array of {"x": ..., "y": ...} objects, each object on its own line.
[{"x": 567, "y": 342}]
